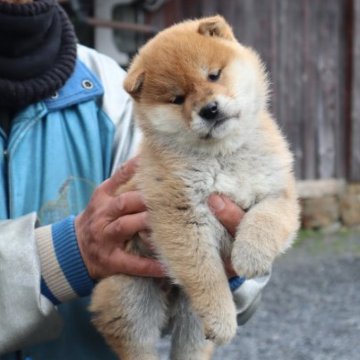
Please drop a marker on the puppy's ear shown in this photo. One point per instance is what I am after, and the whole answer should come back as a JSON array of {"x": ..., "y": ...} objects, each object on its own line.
[
  {"x": 216, "y": 26},
  {"x": 134, "y": 80}
]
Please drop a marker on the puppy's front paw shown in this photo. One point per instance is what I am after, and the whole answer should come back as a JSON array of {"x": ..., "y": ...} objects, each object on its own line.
[
  {"x": 220, "y": 330},
  {"x": 249, "y": 261}
]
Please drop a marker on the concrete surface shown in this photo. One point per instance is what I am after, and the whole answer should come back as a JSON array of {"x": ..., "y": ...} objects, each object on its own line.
[{"x": 311, "y": 308}]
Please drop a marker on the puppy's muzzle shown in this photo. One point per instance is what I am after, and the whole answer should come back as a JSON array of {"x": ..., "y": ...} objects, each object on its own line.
[
  {"x": 210, "y": 111},
  {"x": 212, "y": 114}
]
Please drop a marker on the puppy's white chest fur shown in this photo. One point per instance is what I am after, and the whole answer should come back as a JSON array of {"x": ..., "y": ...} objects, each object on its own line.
[{"x": 246, "y": 176}]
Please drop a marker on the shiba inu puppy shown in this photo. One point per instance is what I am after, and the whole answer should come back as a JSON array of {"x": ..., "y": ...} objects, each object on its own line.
[{"x": 200, "y": 99}]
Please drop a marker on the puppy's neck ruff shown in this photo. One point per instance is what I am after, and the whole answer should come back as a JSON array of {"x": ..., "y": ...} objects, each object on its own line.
[{"x": 190, "y": 145}]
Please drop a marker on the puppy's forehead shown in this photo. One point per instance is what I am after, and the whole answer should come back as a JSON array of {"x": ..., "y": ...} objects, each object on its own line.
[{"x": 185, "y": 53}]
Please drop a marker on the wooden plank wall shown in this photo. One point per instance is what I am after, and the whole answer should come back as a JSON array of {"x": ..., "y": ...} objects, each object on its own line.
[
  {"x": 355, "y": 109},
  {"x": 304, "y": 45}
]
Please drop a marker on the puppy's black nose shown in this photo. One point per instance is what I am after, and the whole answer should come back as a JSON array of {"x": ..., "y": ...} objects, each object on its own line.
[{"x": 209, "y": 111}]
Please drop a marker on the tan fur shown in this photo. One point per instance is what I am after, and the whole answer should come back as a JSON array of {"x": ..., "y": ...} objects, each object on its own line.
[{"x": 185, "y": 158}]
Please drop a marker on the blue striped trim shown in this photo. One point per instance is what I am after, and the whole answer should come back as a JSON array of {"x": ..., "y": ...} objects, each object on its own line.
[
  {"x": 235, "y": 282},
  {"x": 47, "y": 292},
  {"x": 68, "y": 255}
]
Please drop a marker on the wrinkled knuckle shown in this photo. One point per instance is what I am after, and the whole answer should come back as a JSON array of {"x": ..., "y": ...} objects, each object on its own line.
[
  {"x": 94, "y": 209},
  {"x": 119, "y": 227},
  {"x": 121, "y": 203},
  {"x": 108, "y": 231}
]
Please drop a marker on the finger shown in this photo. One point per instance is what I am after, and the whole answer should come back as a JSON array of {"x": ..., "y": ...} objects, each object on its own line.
[
  {"x": 125, "y": 263},
  {"x": 121, "y": 176},
  {"x": 228, "y": 213},
  {"x": 130, "y": 202},
  {"x": 125, "y": 227}
]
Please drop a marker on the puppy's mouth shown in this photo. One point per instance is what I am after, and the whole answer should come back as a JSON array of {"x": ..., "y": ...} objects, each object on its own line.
[{"x": 219, "y": 121}]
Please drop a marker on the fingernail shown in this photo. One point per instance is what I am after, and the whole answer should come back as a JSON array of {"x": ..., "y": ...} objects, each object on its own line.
[{"x": 216, "y": 203}]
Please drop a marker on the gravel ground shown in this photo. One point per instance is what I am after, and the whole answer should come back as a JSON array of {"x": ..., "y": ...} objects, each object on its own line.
[{"x": 311, "y": 308}]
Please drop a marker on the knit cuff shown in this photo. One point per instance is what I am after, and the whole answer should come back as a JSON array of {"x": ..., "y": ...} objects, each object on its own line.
[
  {"x": 235, "y": 282},
  {"x": 64, "y": 274}
]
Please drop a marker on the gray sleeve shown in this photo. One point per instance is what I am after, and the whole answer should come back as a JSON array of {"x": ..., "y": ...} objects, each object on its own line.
[
  {"x": 247, "y": 297},
  {"x": 26, "y": 317}
]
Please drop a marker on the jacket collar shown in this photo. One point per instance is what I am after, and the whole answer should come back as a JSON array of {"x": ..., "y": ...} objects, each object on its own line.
[{"x": 82, "y": 86}]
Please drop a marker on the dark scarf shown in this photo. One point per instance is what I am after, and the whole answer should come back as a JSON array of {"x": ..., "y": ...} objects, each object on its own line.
[{"x": 37, "y": 52}]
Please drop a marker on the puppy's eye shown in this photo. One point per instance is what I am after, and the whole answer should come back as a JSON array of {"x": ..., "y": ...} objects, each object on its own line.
[
  {"x": 178, "y": 100},
  {"x": 215, "y": 75}
]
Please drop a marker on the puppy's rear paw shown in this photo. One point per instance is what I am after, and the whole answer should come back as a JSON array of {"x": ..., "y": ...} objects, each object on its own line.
[{"x": 221, "y": 331}]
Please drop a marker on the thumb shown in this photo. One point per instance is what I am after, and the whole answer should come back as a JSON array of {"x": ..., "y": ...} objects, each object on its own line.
[{"x": 227, "y": 212}]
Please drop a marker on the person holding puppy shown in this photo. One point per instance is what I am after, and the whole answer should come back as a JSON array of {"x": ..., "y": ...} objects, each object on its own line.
[{"x": 65, "y": 127}]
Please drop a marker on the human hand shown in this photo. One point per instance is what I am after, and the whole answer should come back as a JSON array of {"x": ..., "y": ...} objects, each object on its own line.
[
  {"x": 108, "y": 223},
  {"x": 230, "y": 215}
]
